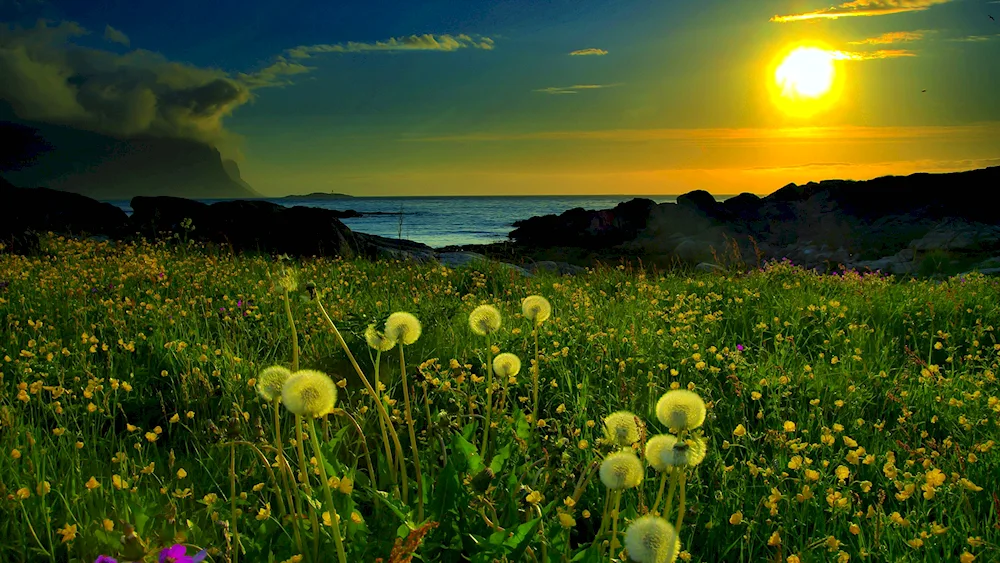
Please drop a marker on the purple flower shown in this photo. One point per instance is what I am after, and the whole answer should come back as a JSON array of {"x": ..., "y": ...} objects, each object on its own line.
[
  {"x": 105, "y": 559},
  {"x": 239, "y": 303},
  {"x": 739, "y": 347},
  {"x": 177, "y": 553},
  {"x": 222, "y": 309}
]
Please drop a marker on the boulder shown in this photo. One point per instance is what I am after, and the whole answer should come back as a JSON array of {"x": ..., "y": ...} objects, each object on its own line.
[
  {"x": 159, "y": 214},
  {"x": 585, "y": 229},
  {"x": 694, "y": 251},
  {"x": 25, "y": 212},
  {"x": 959, "y": 235}
]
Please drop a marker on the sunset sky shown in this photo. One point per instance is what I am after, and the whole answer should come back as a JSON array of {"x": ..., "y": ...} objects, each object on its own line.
[{"x": 473, "y": 97}]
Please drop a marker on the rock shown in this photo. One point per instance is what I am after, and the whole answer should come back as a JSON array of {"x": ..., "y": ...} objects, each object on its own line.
[
  {"x": 585, "y": 229},
  {"x": 152, "y": 216},
  {"x": 693, "y": 251},
  {"x": 959, "y": 235},
  {"x": 26, "y": 212}
]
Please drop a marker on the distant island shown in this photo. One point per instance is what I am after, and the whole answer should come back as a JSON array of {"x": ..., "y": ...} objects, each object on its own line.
[{"x": 319, "y": 195}]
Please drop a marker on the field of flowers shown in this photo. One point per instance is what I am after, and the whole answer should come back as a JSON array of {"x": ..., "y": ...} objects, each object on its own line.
[{"x": 177, "y": 403}]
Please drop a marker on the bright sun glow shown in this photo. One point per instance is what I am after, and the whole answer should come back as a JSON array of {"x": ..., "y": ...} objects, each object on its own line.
[
  {"x": 804, "y": 80},
  {"x": 806, "y": 72}
]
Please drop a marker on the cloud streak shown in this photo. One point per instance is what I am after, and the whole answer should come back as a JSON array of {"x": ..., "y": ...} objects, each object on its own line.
[
  {"x": 575, "y": 89},
  {"x": 976, "y": 38},
  {"x": 587, "y": 52},
  {"x": 115, "y": 36},
  {"x": 863, "y": 8},
  {"x": 872, "y": 55},
  {"x": 425, "y": 42},
  {"x": 890, "y": 38}
]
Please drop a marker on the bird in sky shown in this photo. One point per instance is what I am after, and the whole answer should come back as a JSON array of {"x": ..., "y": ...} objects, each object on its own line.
[{"x": 991, "y": 17}]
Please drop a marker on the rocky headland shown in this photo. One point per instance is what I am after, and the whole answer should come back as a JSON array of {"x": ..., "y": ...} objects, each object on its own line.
[{"x": 895, "y": 224}]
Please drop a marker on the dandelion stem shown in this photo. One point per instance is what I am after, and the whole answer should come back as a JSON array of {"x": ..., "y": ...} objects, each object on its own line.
[
  {"x": 489, "y": 398},
  {"x": 670, "y": 495},
  {"x": 659, "y": 494},
  {"x": 413, "y": 436},
  {"x": 381, "y": 423},
  {"x": 232, "y": 502},
  {"x": 295, "y": 337},
  {"x": 604, "y": 514},
  {"x": 680, "y": 505},
  {"x": 304, "y": 478},
  {"x": 378, "y": 402},
  {"x": 286, "y": 476},
  {"x": 327, "y": 495},
  {"x": 614, "y": 523},
  {"x": 534, "y": 379}
]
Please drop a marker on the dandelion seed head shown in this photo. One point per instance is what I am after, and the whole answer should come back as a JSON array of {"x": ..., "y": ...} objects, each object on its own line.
[
  {"x": 270, "y": 381},
  {"x": 377, "y": 340},
  {"x": 688, "y": 453},
  {"x": 655, "y": 447},
  {"x": 484, "y": 320},
  {"x": 651, "y": 539},
  {"x": 621, "y": 470},
  {"x": 309, "y": 393},
  {"x": 536, "y": 308},
  {"x": 680, "y": 409},
  {"x": 621, "y": 428},
  {"x": 402, "y": 327},
  {"x": 506, "y": 365}
]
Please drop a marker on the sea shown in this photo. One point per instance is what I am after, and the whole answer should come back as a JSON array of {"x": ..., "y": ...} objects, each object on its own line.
[{"x": 440, "y": 221}]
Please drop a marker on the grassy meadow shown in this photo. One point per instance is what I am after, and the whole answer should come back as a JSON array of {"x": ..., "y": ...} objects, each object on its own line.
[{"x": 849, "y": 418}]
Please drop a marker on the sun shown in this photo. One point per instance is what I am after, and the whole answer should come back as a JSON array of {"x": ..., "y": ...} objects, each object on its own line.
[
  {"x": 806, "y": 72},
  {"x": 804, "y": 79}
]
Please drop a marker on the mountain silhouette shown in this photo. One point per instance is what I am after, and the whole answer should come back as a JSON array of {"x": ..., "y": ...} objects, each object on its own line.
[{"x": 110, "y": 168}]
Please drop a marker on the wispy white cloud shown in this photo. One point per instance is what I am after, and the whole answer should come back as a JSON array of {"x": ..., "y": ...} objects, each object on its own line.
[
  {"x": 576, "y": 88},
  {"x": 863, "y": 8},
  {"x": 590, "y": 51},
  {"x": 274, "y": 74},
  {"x": 425, "y": 42},
  {"x": 115, "y": 36},
  {"x": 891, "y": 37}
]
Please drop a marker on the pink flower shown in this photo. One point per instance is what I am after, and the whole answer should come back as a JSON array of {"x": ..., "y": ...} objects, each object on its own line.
[{"x": 177, "y": 553}]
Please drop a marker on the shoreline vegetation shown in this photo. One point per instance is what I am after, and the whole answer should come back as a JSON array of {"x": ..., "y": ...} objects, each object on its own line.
[{"x": 163, "y": 397}]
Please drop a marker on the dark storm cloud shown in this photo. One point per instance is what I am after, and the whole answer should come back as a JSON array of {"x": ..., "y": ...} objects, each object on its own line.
[{"x": 49, "y": 79}]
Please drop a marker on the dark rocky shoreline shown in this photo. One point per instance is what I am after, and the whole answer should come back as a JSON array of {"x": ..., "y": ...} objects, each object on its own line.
[{"x": 891, "y": 224}]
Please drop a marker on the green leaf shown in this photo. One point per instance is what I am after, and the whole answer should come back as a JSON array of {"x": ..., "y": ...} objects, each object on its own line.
[
  {"x": 521, "y": 424},
  {"x": 448, "y": 493},
  {"x": 473, "y": 463},
  {"x": 521, "y": 538},
  {"x": 501, "y": 456}
]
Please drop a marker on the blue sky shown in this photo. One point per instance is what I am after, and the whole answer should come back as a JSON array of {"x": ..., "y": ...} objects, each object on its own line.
[{"x": 673, "y": 95}]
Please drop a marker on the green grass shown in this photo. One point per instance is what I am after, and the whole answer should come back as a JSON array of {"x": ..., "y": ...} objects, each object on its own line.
[{"x": 105, "y": 346}]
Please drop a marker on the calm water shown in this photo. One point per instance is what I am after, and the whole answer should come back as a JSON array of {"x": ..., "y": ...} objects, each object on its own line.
[{"x": 443, "y": 221}]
